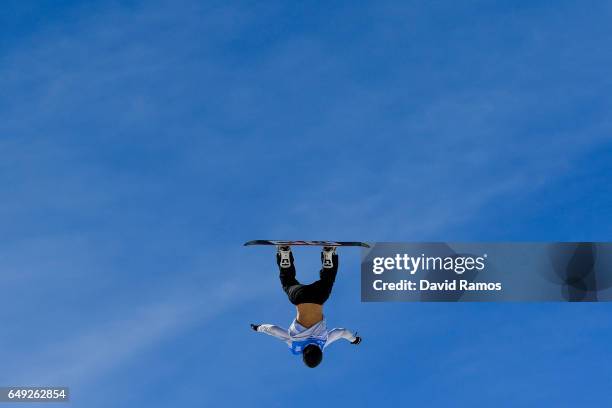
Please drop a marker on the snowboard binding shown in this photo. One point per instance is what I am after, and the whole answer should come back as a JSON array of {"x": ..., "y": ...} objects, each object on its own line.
[
  {"x": 284, "y": 255},
  {"x": 327, "y": 256}
]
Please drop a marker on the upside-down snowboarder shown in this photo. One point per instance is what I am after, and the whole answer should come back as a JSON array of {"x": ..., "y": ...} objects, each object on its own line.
[{"x": 308, "y": 334}]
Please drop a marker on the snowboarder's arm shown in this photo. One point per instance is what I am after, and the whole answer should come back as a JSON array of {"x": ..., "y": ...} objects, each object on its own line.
[
  {"x": 272, "y": 330},
  {"x": 337, "y": 334}
]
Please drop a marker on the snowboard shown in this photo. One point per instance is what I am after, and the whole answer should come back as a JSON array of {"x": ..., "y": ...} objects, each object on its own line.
[{"x": 307, "y": 243}]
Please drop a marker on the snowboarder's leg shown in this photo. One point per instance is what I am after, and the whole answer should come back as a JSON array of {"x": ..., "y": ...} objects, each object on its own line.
[
  {"x": 285, "y": 261},
  {"x": 322, "y": 288}
]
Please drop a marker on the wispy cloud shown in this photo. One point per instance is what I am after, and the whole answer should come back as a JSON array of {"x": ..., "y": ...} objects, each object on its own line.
[{"x": 92, "y": 351}]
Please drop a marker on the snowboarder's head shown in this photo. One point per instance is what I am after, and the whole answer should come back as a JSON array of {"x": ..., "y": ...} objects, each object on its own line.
[{"x": 312, "y": 355}]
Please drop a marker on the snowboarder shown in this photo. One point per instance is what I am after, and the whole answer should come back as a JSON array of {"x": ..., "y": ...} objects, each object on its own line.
[{"x": 308, "y": 334}]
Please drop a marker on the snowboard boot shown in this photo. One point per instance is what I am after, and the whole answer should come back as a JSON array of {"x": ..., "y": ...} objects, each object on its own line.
[
  {"x": 284, "y": 255},
  {"x": 327, "y": 256}
]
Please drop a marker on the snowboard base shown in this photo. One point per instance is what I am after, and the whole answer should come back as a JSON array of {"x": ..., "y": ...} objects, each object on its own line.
[{"x": 308, "y": 243}]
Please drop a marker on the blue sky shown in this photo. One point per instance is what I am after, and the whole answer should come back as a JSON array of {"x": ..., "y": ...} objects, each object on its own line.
[{"x": 143, "y": 142}]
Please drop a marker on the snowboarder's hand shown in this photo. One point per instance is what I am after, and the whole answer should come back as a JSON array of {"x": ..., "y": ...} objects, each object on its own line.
[
  {"x": 357, "y": 340},
  {"x": 254, "y": 326}
]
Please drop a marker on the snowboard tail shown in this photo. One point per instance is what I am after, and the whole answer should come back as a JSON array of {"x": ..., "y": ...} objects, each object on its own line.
[{"x": 308, "y": 243}]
